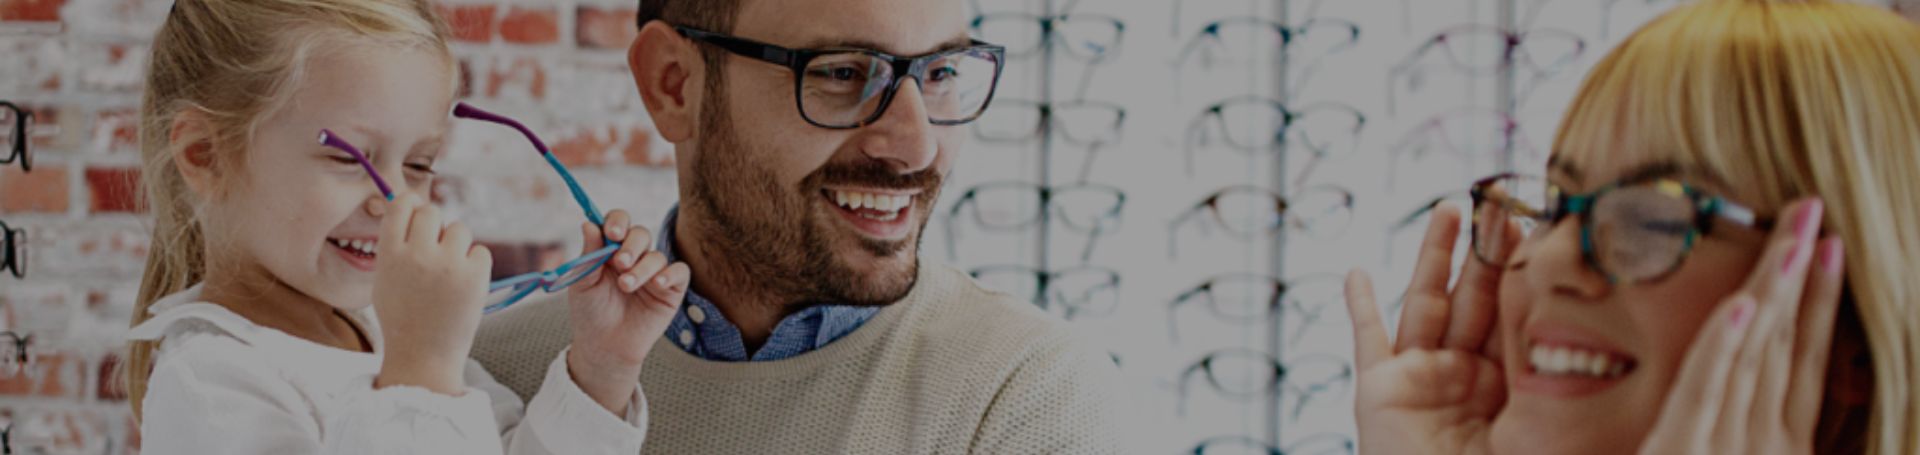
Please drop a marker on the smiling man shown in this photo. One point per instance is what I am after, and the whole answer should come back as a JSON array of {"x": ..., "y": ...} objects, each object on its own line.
[{"x": 812, "y": 138}]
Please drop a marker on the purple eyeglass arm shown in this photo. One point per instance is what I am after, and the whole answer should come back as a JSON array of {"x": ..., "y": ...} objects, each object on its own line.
[{"x": 332, "y": 140}]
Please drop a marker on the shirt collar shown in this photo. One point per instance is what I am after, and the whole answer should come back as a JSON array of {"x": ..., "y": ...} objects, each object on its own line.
[{"x": 702, "y": 330}]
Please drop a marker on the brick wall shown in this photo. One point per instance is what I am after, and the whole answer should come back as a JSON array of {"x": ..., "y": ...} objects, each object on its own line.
[{"x": 557, "y": 65}]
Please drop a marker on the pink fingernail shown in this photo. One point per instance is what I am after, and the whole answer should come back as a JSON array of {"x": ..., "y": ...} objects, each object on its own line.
[
  {"x": 660, "y": 281},
  {"x": 627, "y": 282},
  {"x": 1830, "y": 262},
  {"x": 1742, "y": 313},
  {"x": 1809, "y": 217}
]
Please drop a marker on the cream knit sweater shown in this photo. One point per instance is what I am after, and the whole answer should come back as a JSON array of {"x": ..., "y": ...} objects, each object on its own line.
[{"x": 952, "y": 368}]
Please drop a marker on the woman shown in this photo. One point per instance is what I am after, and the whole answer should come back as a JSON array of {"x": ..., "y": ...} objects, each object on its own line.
[{"x": 1677, "y": 283}]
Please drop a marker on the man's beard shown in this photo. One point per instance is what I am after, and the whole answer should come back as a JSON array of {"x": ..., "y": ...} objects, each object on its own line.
[{"x": 772, "y": 236}]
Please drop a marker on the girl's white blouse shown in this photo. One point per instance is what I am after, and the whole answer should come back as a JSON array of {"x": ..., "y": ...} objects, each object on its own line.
[{"x": 224, "y": 385}]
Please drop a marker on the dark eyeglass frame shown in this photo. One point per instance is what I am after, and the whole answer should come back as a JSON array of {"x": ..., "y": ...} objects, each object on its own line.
[
  {"x": 1047, "y": 119},
  {"x": 1344, "y": 443},
  {"x": 22, "y": 358},
  {"x": 22, "y": 147},
  {"x": 1215, "y": 115},
  {"x": 1211, "y": 32},
  {"x": 14, "y": 256},
  {"x": 1044, "y": 281},
  {"x": 1276, "y": 300},
  {"x": 1050, "y": 32},
  {"x": 1511, "y": 53},
  {"x": 1708, "y": 212},
  {"x": 1045, "y": 202},
  {"x": 796, "y": 60},
  {"x": 1282, "y": 215},
  {"x": 1280, "y": 383}
]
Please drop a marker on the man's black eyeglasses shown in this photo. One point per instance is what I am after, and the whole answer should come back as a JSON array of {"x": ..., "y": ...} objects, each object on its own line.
[{"x": 851, "y": 88}]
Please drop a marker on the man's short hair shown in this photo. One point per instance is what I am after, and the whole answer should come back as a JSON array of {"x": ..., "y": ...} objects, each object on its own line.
[{"x": 710, "y": 15}]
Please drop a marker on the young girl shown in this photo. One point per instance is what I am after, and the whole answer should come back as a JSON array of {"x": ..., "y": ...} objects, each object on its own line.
[
  {"x": 252, "y": 330},
  {"x": 1685, "y": 288}
]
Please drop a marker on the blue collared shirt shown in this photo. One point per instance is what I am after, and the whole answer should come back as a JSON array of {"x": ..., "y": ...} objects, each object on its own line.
[{"x": 701, "y": 330}]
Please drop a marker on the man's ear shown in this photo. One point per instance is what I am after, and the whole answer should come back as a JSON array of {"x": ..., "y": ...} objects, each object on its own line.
[
  {"x": 667, "y": 68},
  {"x": 190, "y": 141}
]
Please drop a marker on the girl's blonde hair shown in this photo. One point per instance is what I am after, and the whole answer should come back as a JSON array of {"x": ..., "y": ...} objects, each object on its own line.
[
  {"x": 234, "y": 63},
  {"x": 1791, "y": 99}
]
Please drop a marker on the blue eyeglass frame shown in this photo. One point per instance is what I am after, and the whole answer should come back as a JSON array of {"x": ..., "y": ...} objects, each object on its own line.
[{"x": 551, "y": 280}]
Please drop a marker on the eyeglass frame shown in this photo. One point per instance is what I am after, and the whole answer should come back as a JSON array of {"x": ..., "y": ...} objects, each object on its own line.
[
  {"x": 1045, "y": 195},
  {"x": 1049, "y": 33},
  {"x": 22, "y": 357},
  {"x": 547, "y": 280},
  {"x": 1709, "y": 210},
  {"x": 1288, "y": 116},
  {"x": 1290, "y": 449},
  {"x": 1287, "y": 34},
  {"x": 22, "y": 147},
  {"x": 1048, "y": 111},
  {"x": 15, "y": 257},
  {"x": 1278, "y": 385},
  {"x": 1045, "y": 279},
  {"x": 1211, "y": 204},
  {"x": 796, "y": 60},
  {"x": 1275, "y": 302}
]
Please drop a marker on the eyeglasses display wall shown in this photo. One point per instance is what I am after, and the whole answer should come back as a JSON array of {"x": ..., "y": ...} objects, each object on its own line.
[{"x": 1188, "y": 181}]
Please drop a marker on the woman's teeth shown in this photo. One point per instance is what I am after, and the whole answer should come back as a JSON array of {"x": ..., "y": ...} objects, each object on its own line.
[
  {"x": 364, "y": 247},
  {"x": 879, "y": 207},
  {"x": 1570, "y": 361}
]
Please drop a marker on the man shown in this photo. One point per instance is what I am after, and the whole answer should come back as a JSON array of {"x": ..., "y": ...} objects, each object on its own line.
[{"x": 812, "y": 138}]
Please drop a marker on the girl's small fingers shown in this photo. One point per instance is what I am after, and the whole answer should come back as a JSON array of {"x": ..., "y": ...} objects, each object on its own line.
[
  {"x": 425, "y": 227},
  {"x": 1369, "y": 335},
  {"x": 393, "y": 226},
  {"x": 617, "y": 225},
  {"x": 649, "y": 265},
  {"x": 669, "y": 287},
  {"x": 1815, "y": 339},
  {"x": 629, "y": 253},
  {"x": 592, "y": 240}
]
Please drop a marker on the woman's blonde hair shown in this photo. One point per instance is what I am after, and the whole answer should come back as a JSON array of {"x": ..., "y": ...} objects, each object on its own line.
[
  {"x": 1792, "y": 99},
  {"x": 233, "y": 63}
]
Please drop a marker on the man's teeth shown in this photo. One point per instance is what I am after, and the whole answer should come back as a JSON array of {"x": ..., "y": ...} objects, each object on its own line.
[
  {"x": 1575, "y": 361},
  {"x": 853, "y": 200},
  {"x": 365, "y": 247}
]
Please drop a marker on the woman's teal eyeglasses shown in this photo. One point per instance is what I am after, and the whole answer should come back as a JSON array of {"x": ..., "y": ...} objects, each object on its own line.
[{"x": 506, "y": 292}]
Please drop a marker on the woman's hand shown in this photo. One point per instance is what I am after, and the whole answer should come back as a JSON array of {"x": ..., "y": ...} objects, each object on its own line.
[
  {"x": 1753, "y": 380},
  {"x": 621, "y": 310},
  {"x": 1433, "y": 389},
  {"x": 429, "y": 285}
]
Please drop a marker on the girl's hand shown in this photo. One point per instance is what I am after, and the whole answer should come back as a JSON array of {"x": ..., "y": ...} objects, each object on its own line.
[
  {"x": 621, "y": 310},
  {"x": 1753, "y": 380},
  {"x": 1434, "y": 389},
  {"x": 428, "y": 289}
]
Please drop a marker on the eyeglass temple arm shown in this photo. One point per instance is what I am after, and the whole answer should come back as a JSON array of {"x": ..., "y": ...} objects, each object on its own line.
[
  {"x": 331, "y": 140},
  {"x": 463, "y": 110}
]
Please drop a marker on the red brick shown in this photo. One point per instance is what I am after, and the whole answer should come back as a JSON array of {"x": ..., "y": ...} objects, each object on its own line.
[
  {"x": 31, "y": 10},
  {"x": 117, "y": 131},
  {"x": 524, "y": 25},
  {"x": 111, "y": 385},
  {"x": 524, "y": 74},
  {"x": 44, "y": 190},
  {"x": 604, "y": 28},
  {"x": 471, "y": 23},
  {"x": 585, "y": 146},
  {"x": 44, "y": 378},
  {"x": 639, "y": 149},
  {"x": 115, "y": 190}
]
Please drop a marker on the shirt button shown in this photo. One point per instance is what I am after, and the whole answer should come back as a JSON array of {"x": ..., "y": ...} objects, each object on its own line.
[
  {"x": 696, "y": 314},
  {"x": 686, "y": 337}
]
